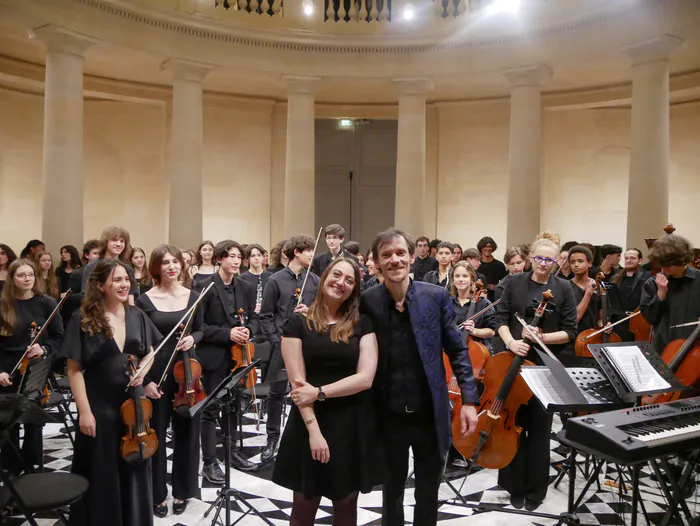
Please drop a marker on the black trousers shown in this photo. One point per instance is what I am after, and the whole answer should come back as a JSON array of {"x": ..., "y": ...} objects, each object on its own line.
[
  {"x": 417, "y": 432},
  {"x": 528, "y": 474},
  {"x": 185, "y": 480},
  {"x": 212, "y": 414},
  {"x": 31, "y": 450},
  {"x": 275, "y": 403}
]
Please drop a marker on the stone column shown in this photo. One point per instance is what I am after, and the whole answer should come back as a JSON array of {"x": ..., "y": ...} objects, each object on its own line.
[
  {"x": 62, "y": 168},
  {"x": 524, "y": 152},
  {"x": 409, "y": 211},
  {"x": 647, "y": 206},
  {"x": 300, "y": 173},
  {"x": 185, "y": 157}
]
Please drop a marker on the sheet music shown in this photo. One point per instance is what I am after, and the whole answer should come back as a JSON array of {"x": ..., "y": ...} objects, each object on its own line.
[
  {"x": 549, "y": 390},
  {"x": 633, "y": 367}
]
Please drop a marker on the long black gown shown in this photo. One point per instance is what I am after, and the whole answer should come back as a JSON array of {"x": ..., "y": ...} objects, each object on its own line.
[{"x": 119, "y": 493}]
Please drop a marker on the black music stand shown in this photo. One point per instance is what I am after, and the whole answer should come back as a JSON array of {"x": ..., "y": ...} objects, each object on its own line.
[
  {"x": 225, "y": 395},
  {"x": 35, "y": 378}
]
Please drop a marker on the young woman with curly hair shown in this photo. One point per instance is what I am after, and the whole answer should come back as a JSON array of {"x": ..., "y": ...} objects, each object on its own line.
[{"x": 99, "y": 341}]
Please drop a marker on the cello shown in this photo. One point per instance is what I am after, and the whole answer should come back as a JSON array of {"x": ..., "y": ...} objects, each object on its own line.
[
  {"x": 495, "y": 442},
  {"x": 585, "y": 337},
  {"x": 140, "y": 441},
  {"x": 478, "y": 353},
  {"x": 640, "y": 327}
]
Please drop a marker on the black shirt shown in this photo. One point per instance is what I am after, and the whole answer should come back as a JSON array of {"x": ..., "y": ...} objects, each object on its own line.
[
  {"x": 494, "y": 271},
  {"x": 421, "y": 266},
  {"x": 231, "y": 298},
  {"x": 486, "y": 321},
  {"x": 258, "y": 281},
  {"x": 589, "y": 320},
  {"x": 433, "y": 277}
]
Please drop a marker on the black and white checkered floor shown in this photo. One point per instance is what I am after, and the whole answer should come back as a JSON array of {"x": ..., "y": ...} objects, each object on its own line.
[{"x": 602, "y": 504}]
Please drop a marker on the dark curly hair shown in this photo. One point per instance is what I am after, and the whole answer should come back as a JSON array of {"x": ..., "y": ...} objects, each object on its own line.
[
  {"x": 93, "y": 306},
  {"x": 671, "y": 250}
]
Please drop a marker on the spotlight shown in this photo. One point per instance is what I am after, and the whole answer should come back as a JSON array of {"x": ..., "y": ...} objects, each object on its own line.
[
  {"x": 409, "y": 12},
  {"x": 345, "y": 123},
  {"x": 308, "y": 8},
  {"x": 502, "y": 6}
]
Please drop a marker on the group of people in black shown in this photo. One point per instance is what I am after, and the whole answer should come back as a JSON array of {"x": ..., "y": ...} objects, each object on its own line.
[{"x": 361, "y": 337}]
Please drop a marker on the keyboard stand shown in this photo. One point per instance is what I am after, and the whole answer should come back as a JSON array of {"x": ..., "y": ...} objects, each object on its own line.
[{"x": 677, "y": 486}]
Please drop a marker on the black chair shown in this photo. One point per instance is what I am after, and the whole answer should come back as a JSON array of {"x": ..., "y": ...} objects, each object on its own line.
[{"x": 60, "y": 401}]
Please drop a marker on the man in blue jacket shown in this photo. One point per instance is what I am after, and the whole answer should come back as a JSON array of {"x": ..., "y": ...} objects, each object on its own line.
[{"x": 414, "y": 322}]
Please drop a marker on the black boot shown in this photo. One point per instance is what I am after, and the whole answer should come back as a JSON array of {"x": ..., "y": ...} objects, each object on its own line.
[
  {"x": 212, "y": 472},
  {"x": 269, "y": 452}
]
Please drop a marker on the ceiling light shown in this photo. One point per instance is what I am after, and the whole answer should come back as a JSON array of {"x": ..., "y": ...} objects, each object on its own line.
[
  {"x": 345, "y": 123},
  {"x": 502, "y": 6},
  {"x": 409, "y": 11},
  {"x": 308, "y": 8}
]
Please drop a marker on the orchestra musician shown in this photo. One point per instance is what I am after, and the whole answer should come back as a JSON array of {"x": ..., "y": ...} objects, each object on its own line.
[
  {"x": 165, "y": 304},
  {"x": 334, "y": 236},
  {"x": 98, "y": 342},
  {"x": 526, "y": 478},
  {"x": 483, "y": 328},
  {"x": 441, "y": 276},
  {"x": 23, "y": 303},
  {"x": 204, "y": 265},
  {"x": 630, "y": 283},
  {"x": 114, "y": 243},
  {"x": 7, "y": 256},
  {"x": 222, "y": 329}
]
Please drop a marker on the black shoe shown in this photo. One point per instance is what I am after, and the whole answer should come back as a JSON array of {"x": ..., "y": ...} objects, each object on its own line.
[
  {"x": 269, "y": 452},
  {"x": 212, "y": 472},
  {"x": 531, "y": 505},
  {"x": 179, "y": 507},
  {"x": 241, "y": 463},
  {"x": 517, "y": 502},
  {"x": 161, "y": 510}
]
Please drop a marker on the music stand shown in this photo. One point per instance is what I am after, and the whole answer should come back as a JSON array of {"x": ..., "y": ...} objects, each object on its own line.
[
  {"x": 35, "y": 378},
  {"x": 224, "y": 395}
]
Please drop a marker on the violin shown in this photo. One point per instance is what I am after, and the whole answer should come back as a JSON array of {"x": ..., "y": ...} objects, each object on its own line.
[
  {"x": 243, "y": 355},
  {"x": 140, "y": 441},
  {"x": 188, "y": 375},
  {"x": 495, "y": 442},
  {"x": 584, "y": 338},
  {"x": 683, "y": 358}
]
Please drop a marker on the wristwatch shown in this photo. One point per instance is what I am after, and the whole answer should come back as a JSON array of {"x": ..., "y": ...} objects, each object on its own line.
[{"x": 321, "y": 395}]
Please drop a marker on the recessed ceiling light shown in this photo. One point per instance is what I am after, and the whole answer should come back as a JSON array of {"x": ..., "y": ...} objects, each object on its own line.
[
  {"x": 409, "y": 12},
  {"x": 308, "y": 8}
]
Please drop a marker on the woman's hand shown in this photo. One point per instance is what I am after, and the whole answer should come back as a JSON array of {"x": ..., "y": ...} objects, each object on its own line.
[
  {"x": 304, "y": 393},
  {"x": 5, "y": 380},
  {"x": 35, "y": 351},
  {"x": 152, "y": 391},
  {"x": 519, "y": 347},
  {"x": 469, "y": 326},
  {"x": 186, "y": 344},
  {"x": 319, "y": 447},
  {"x": 301, "y": 308},
  {"x": 88, "y": 424}
]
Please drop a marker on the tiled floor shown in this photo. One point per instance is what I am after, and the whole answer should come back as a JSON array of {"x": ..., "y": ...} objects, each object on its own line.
[{"x": 602, "y": 504}]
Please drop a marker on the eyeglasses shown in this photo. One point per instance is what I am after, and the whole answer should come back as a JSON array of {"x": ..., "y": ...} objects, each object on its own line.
[
  {"x": 22, "y": 275},
  {"x": 546, "y": 261}
]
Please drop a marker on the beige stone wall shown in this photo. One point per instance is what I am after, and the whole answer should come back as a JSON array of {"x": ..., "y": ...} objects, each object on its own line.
[{"x": 684, "y": 172}]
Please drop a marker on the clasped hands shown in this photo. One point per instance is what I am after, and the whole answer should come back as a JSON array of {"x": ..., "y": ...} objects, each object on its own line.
[{"x": 303, "y": 393}]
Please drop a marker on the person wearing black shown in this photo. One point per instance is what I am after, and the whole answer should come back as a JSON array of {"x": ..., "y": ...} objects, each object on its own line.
[
  {"x": 330, "y": 354},
  {"x": 99, "y": 342},
  {"x": 461, "y": 289},
  {"x": 335, "y": 235},
  {"x": 672, "y": 296},
  {"x": 610, "y": 262},
  {"x": 114, "y": 243},
  {"x": 491, "y": 268},
  {"x": 22, "y": 303},
  {"x": 279, "y": 303},
  {"x": 222, "y": 329},
  {"x": 70, "y": 262},
  {"x": 473, "y": 257},
  {"x": 584, "y": 287},
  {"x": 91, "y": 251},
  {"x": 526, "y": 478},
  {"x": 414, "y": 322},
  {"x": 7, "y": 256},
  {"x": 256, "y": 275},
  {"x": 277, "y": 258},
  {"x": 165, "y": 304},
  {"x": 204, "y": 264},
  {"x": 441, "y": 276},
  {"x": 629, "y": 282},
  {"x": 514, "y": 258},
  {"x": 423, "y": 263}
]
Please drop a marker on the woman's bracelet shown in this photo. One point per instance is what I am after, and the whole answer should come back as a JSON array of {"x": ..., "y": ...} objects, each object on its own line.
[{"x": 309, "y": 421}]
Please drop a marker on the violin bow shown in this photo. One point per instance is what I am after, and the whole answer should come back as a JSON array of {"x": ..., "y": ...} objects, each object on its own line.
[
  {"x": 313, "y": 255},
  {"x": 534, "y": 336},
  {"x": 183, "y": 334},
  {"x": 607, "y": 328},
  {"x": 177, "y": 325},
  {"x": 689, "y": 324},
  {"x": 38, "y": 335}
]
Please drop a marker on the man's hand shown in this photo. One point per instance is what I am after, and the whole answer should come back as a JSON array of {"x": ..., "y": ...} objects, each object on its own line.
[
  {"x": 661, "y": 285},
  {"x": 467, "y": 417},
  {"x": 240, "y": 335},
  {"x": 590, "y": 287},
  {"x": 5, "y": 380}
]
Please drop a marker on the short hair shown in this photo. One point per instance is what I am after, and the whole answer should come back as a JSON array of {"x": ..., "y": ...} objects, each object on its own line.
[
  {"x": 114, "y": 232},
  {"x": 156, "y": 260},
  {"x": 387, "y": 236},
  {"x": 511, "y": 253},
  {"x": 434, "y": 243},
  {"x": 89, "y": 246},
  {"x": 249, "y": 249},
  {"x": 471, "y": 253},
  {"x": 580, "y": 249},
  {"x": 334, "y": 230},
  {"x": 447, "y": 245},
  {"x": 352, "y": 247},
  {"x": 222, "y": 248},
  {"x": 486, "y": 241},
  {"x": 422, "y": 238},
  {"x": 639, "y": 252},
  {"x": 569, "y": 244},
  {"x": 608, "y": 250},
  {"x": 301, "y": 242},
  {"x": 671, "y": 250}
]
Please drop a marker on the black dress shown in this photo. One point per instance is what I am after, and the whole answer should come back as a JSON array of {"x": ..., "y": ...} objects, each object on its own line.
[
  {"x": 119, "y": 493},
  {"x": 349, "y": 424},
  {"x": 185, "y": 469}
]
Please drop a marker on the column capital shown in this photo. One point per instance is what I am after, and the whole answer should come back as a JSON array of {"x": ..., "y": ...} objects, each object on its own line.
[
  {"x": 413, "y": 85},
  {"x": 301, "y": 84},
  {"x": 528, "y": 75},
  {"x": 187, "y": 69},
  {"x": 57, "y": 38},
  {"x": 654, "y": 49}
]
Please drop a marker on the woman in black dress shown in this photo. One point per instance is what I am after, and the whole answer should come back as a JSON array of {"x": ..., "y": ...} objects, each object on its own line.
[
  {"x": 204, "y": 264},
  {"x": 526, "y": 478},
  {"x": 70, "y": 261},
  {"x": 21, "y": 304},
  {"x": 7, "y": 256},
  {"x": 99, "y": 339},
  {"x": 47, "y": 275},
  {"x": 331, "y": 445},
  {"x": 141, "y": 273},
  {"x": 165, "y": 304}
]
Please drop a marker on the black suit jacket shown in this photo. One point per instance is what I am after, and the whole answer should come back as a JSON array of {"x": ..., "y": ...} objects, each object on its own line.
[
  {"x": 216, "y": 342},
  {"x": 321, "y": 262},
  {"x": 633, "y": 300}
]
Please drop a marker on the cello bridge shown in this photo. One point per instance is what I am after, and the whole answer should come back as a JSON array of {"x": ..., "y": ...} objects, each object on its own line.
[{"x": 492, "y": 416}]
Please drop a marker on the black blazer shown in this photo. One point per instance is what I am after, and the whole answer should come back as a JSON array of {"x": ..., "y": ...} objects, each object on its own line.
[
  {"x": 216, "y": 342},
  {"x": 632, "y": 301},
  {"x": 321, "y": 262}
]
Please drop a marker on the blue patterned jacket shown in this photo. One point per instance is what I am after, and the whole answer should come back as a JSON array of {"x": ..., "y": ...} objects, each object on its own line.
[{"x": 434, "y": 328}]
